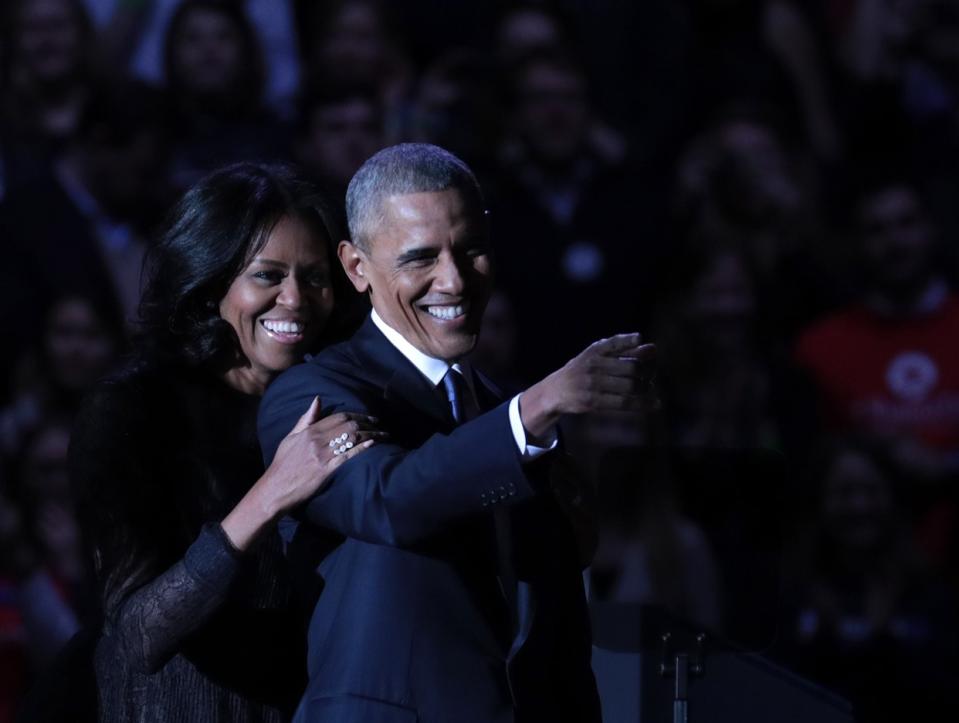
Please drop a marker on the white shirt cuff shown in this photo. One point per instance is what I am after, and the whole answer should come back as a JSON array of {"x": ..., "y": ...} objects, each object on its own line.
[{"x": 527, "y": 451}]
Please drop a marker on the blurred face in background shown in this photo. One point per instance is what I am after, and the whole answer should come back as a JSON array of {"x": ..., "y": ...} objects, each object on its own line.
[
  {"x": 45, "y": 474},
  {"x": 80, "y": 346},
  {"x": 45, "y": 479},
  {"x": 722, "y": 306},
  {"x": 124, "y": 170},
  {"x": 49, "y": 45},
  {"x": 526, "y": 29},
  {"x": 354, "y": 45},
  {"x": 340, "y": 136},
  {"x": 857, "y": 503},
  {"x": 552, "y": 112},
  {"x": 207, "y": 52},
  {"x": 897, "y": 241},
  {"x": 759, "y": 179}
]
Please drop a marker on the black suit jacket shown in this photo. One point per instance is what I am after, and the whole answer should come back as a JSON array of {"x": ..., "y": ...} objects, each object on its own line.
[{"x": 415, "y": 621}]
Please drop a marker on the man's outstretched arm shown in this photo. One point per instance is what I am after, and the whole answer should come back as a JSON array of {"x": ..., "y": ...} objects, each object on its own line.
[{"x": 397, "y": 496}]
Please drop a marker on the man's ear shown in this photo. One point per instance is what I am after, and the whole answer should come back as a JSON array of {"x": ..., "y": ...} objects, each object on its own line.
[{"x": 353, "y": 260}]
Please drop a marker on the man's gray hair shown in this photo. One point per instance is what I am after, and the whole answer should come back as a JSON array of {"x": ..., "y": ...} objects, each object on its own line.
[{"x": 401, "y": 169}]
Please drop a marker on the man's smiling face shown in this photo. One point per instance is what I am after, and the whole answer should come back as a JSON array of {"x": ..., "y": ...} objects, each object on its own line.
[{"x": 428, "y": 270}]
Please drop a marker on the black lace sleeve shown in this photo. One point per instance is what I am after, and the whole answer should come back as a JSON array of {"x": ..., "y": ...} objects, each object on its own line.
[
  {"x": 157, "y": 588},
  {"x": 152, "y": 623}
]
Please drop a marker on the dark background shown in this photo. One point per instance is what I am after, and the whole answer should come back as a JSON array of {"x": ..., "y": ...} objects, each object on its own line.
[{"x": 765, "y": 188}]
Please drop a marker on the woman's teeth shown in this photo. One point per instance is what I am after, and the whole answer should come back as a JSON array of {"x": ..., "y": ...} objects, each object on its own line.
[
  {"x": 284, "y": 327},
  {"x": 446, "y": 312}
]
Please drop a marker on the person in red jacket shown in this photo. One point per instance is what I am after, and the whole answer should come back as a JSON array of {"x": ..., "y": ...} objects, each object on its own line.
[{"x": 888, "y": 364}]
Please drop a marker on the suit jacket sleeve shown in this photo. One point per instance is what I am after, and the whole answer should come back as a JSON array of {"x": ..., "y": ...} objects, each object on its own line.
[{"x": 389, "y": 494}]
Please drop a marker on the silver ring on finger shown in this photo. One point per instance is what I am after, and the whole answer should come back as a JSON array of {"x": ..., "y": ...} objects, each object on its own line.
[{"x": 341, "y": 444}]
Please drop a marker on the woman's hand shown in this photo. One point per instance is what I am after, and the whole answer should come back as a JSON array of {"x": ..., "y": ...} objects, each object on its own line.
[
  {"x": 304, "y": 461},
  {"x": 312, "y": 450}
]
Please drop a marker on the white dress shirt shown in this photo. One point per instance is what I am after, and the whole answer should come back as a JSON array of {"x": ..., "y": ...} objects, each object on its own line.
[{"x": 435, "y": 369}]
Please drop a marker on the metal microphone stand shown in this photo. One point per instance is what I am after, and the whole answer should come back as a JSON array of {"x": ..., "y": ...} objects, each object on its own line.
[{"x": 681, "y": 665}]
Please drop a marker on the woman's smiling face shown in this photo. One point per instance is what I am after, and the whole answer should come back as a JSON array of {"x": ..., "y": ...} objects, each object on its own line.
[{"x": 280, "y": 303}]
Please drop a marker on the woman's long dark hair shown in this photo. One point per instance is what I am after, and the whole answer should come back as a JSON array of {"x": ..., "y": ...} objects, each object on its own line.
[{"x": 217, "y": 227}]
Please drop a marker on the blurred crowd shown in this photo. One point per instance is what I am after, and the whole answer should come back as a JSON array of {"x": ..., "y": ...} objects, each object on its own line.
[{"x": 767, "y": 189}]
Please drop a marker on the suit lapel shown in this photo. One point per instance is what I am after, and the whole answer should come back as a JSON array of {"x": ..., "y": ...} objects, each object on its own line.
[
  {"x": 402, "y": 383},
  {"x": 487, "y": 394}
]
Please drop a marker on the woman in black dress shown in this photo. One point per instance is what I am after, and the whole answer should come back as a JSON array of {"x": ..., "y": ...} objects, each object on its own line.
[{"x": 199, "y": 623}]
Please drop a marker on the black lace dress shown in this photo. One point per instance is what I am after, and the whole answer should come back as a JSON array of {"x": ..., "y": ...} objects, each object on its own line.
[{"x": 193, "y": 630}]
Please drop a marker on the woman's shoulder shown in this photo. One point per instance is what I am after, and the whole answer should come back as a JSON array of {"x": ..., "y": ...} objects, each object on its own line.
[
  {"x": 131, "y": 384},
  {"x": 138, "y": 390}
]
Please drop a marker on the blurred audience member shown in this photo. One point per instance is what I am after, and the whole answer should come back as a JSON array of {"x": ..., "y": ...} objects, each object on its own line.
[
  {"x": 570, "y": 213},
  {"x": 50, "y": 516},
  {"x": 44, "y": 583},
  {"x": 528, "y": 27},
  {"x": 740, "y": 184},
  {"x": 358, "y": 43},
  {"x": 763, "y": 52},
  {"x": 495, "y": 351},
  {"x": 456, "y": 106},
  {"x": 722, "y": 388},
  {"x": 649, "y": 552},
  {"x": 81, "y": 228},
  {"x": 132, "y": 33},
  {"x": 81, "y": 342},
  {"x": 888, "y": 364},
  {"x": 870, "y": 618},
  {"x": 898, "y": 70},
  {"x": 339, "y": 128},
  {"x": 44, "y": 83},
  {"x": 214, "y": 80},
  {"x": 874, "y": 35}
]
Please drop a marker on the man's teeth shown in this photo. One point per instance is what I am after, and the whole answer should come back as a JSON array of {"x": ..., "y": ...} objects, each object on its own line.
[
  {"x": 446, "y": 312},
  {"x": 284, "y": 327}
]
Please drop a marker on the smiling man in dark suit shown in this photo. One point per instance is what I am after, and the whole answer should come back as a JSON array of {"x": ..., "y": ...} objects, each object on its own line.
[{"x": 453, "y": 589}]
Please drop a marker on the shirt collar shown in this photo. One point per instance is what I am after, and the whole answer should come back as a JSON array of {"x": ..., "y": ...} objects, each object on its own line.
[{"x": 431, "y": 368}]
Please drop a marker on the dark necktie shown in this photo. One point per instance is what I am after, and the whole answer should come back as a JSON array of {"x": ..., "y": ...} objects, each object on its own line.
[{"x": 455, "y": 392}]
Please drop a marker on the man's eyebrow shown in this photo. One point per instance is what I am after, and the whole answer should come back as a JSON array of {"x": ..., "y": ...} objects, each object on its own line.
[{"x": 414, "y": 253}]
